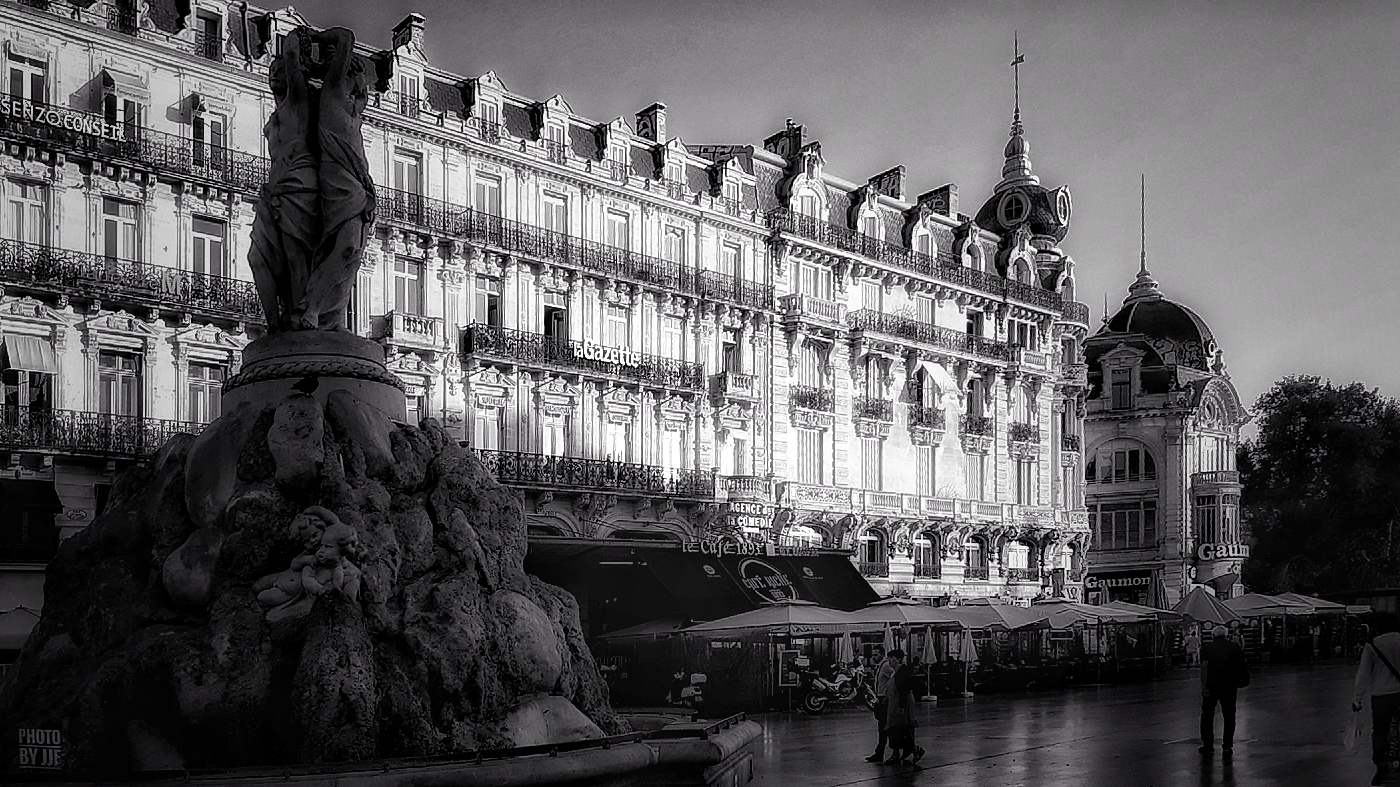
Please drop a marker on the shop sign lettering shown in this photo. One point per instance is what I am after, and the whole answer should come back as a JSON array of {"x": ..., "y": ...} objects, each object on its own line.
[
  {"x": 618, "y": 355},
  {"x": 766, "y": 581},
  {"x": 1222, "y": 551},
  {"x": 40, "y": 748},
  {"x": 720, "y": 548},
  {"x": 59, "y": 117},
  {"x": 1117, "y": 581}
]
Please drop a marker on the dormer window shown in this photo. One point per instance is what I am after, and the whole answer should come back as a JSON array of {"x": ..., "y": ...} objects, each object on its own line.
[
  {"x": 208, "y": 35},
  {"x": 1121, "y": 389},
  {"x": 488, "y": 116},
  {"x": 870, "y": 226},
  {"x": 808, "y": 205},
  {"x": 923, "y": 243}
]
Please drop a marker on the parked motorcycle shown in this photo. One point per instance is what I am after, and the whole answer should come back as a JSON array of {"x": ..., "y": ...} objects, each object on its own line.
[{"x": 845, "y": 688}]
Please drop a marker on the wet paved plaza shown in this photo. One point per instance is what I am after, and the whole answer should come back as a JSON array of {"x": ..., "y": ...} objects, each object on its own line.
[{"x": 1289, "y": 733}]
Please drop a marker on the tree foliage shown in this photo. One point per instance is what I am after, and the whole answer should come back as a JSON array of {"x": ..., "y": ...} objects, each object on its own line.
[{"x": 1322, "y": 488}]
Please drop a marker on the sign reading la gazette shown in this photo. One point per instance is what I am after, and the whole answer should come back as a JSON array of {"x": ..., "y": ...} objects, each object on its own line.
[
  {"x": 60, "y": 117},
  {"x": 618, "y": 355}
]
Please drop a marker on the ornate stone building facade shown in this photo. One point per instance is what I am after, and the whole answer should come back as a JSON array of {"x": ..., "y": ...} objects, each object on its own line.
[
  {"x": 1162, "y": 429},
  {"x": 649, "y": 339}
]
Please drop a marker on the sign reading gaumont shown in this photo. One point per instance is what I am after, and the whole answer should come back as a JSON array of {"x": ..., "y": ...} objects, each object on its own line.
[
  {"x": 1221, "y": 551},
  {"x": 618, "y": 355},
  {"x": 59, "y": 117},
  {"x": 1140, "y": 579}
]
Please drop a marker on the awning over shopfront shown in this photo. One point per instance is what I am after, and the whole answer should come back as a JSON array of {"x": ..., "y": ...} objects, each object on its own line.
[
  {"x": 29, "y": 354},
  {"x": 28, "y": 493},
  {"x": 647, "y": 580}
]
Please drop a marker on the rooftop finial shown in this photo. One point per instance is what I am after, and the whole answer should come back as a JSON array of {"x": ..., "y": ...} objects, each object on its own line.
[
  {"x": 1105, "y": 307},
  {"x": 1016, "y": 66},
  {"x": 1017, "y": 169},
  {"x": 1144, "y": 287}
]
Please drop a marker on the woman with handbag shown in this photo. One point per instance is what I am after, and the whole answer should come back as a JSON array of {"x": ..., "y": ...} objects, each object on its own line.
[{"x": 1379, "y": 676}]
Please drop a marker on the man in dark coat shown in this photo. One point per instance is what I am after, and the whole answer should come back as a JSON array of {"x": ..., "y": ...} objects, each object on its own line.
[
  {"x": 1223, "y": 673},
  {"x": 884, "y": 668}
]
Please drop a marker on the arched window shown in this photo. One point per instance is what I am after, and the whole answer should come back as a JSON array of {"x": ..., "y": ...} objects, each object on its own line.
[
  {"x": 975, "y": 552},
  {"x": 874, "y": 553},
  {"x": 926, "y": 556},
  {"x": 1120, "y": 461},
  {"x": 803, "y": 537},
  {"x": 1018, "y": 555}
]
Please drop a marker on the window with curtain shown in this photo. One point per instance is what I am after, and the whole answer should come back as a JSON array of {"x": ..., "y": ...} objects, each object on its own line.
[
  {"x": 811, "y": 455},
  {"x": 870, "y": 226},
  {"x": 672, "y": 449},
  {"x": 923, "y": 243},
  {"x": 925, "y": 470},
  {"x": 206, "y": 386},
  {"x": 811, "y": 365},
  {"x": 1020, "y": 405},
  {"x": 874, "y": 387},
  {"x": 1025, "y": 483},
  {"x": 28, "y": 212},
  {"x": 872, "y": 295},
  {"x": 972, "y": 475},
  {"x": 924, "y": 307},
  {"x": 554, "y": 436},
  {"x": 617, "y": 445},
  {"x": 975, "y": 388},
  {"x": 1018, "y": 555},
  {"x": 210, "y": 246},
  {"x": 120, "y": 230},
  {"x": 408, "y": 286}
]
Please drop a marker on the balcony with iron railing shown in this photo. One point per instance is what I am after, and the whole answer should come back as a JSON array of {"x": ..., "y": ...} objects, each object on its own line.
[
  {"x": 1070, "y": 443},
  {"x": 729, "y": 206},
  {"x": 121, "y": 18},
  {"x": 675, "y": 189},
  {"x": 113, "y": 281},
  {"x": 874, "y": 569},
  {"x": 42, "y": 5},
  {"x": 555, "y": 151},
  {"x": 434, "y": 215},
  {"x": 976, "y": 425},
  {"x": 1076, "y": 374},
  {"x": 412, "y": 330},
  {"x": 976, "y": 572},
  {"x": 869, "y": 320},
  {"x": 1022, "y": 575},
  {"x": 1075, "y": 312},
  {"x": 612, "y": 168},
  {"x": 89, "y": 135},
  {"x": 928, "y": 571},
  {"x": 927, "y": 417},
  {"x": 487, "y": 131},
  {"x": 1226, "y": 479},
  {"x": 812, "y": 398},
  {"x": 516, "y": 469},
  {"x": 735, "y": 385},
  {"x": 1022, "y": 432},
  {"x": 873, "y": 408},
  {"x": 536, "y": 349},
  {"x": 75, "y": 432},
  {"x": 943, "y": 267},
  {"x": 208, "y": 45}
]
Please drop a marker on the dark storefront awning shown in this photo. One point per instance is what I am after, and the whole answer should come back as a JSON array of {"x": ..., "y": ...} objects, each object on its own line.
[
  {"x": 696, "y": 586},
  {"x": 28, "y": 493}
]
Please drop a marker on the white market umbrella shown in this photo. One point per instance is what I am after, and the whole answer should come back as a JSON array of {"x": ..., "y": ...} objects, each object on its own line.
[
  {"x": 789, "y": 617},
  {"x": 890, "y": 642},
  {"x": 845, "y": 650},
  {"x": 930, "y": 652}
]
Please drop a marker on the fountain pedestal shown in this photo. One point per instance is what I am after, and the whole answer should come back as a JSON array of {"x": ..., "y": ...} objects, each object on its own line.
[{"x": 274, "y": 364}]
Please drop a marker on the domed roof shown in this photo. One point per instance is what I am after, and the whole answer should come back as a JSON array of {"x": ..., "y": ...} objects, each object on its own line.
[
  {"x": 1174, "y": 330},
  {"x": 1019, "y": 199}
]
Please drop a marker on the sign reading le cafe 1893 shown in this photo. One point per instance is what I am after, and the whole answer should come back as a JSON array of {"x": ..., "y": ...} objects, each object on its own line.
[{"x": 60, "y": 117}]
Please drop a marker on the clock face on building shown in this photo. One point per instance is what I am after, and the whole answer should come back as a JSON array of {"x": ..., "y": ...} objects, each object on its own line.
[
  {"x": 1013, "y": 209},
  {"x": 1063, "y": 205}
]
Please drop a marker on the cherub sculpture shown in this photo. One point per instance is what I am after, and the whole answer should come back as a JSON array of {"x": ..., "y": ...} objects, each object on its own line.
[{"x": 322, "y": 568}]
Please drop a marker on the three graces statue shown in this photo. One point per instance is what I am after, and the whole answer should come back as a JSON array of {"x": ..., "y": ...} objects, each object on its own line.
[{"x": 317, "y": 208}]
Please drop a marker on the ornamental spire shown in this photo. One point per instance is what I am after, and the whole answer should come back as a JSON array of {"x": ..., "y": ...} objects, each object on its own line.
[
  {"x": 1144, "y": 287},
  {"x": 1017, "y": 169}
]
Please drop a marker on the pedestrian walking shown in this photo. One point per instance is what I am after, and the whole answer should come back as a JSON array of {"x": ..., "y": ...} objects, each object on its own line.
[
  {"x": 1379, "y": 676},
  {"x": 884, "y": 669},
  {"x": 899, "y": 722},
  {"x": 1223, "y": 674},
  {"x": 1193, "y": 648}
]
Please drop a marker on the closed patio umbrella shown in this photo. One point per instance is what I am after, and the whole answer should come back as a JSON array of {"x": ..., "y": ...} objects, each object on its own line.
[
  {"x": 845, "y": 650},
  {"x": 890, "y": 642},
  {"x": 967, "y": 654}
]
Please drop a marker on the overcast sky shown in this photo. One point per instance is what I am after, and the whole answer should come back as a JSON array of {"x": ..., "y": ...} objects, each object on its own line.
[{"x": 1267, "y": 130}]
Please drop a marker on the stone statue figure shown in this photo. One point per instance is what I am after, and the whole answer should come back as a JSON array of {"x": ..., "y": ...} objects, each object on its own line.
[
  {"x": 316, "y": 210},
  {"x": 323, "y": 566}
]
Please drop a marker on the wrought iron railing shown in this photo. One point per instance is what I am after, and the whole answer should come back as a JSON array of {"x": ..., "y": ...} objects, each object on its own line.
[
  {"x": 943, "y": 266},
  {"x": 675, "y": 189},
  {"x": 434, "y": 215},
  {"x": 1076, "y": 312},
  {"x": 89, "y": 135},
  {"x": 873, "y": 407},
  {"x": 927, "y": 571},
  {"x": 82, "y": 432},
  {"x": 1022, "y": 432},
  {"x": 513, "y": 468},
  {"x": 976, "y": 425},
  {"x": 612, "y": 168},
  {"x": 42, "y": 5},
  {"x": 727, "y": 205},
  {"x": 976, "y": 572},
  {"x": 927, "y": 417},
  {"x": 30, "y": 264},
  {"x": 556, "y": 152},
  {"x": 812, "y": 398},
  {"x": 1070, "y": 442},
  {"x": 1216, "y": 477},
  {"x": 926, "y": 333},
  {"x": 525, "y": 347},
  {"x": 874, "y": 569},
  {"x": 1022, "y": 575},
  {"x": 487, "y": 131},
  {"x": 121, "y": 18},
  {"x": 208, "y": 45}
]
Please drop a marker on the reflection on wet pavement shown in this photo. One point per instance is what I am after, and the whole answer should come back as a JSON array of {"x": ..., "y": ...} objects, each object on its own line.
[{"x": 1290, "y": 725}]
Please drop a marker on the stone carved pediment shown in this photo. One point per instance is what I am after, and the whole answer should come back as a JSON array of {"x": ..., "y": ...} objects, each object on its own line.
[
  {"x": 119, "y": 322},
  {"x": 555, "y": 397},
  {"x": 210, "y": 336},
  {"x": 31, "y": 310}
]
